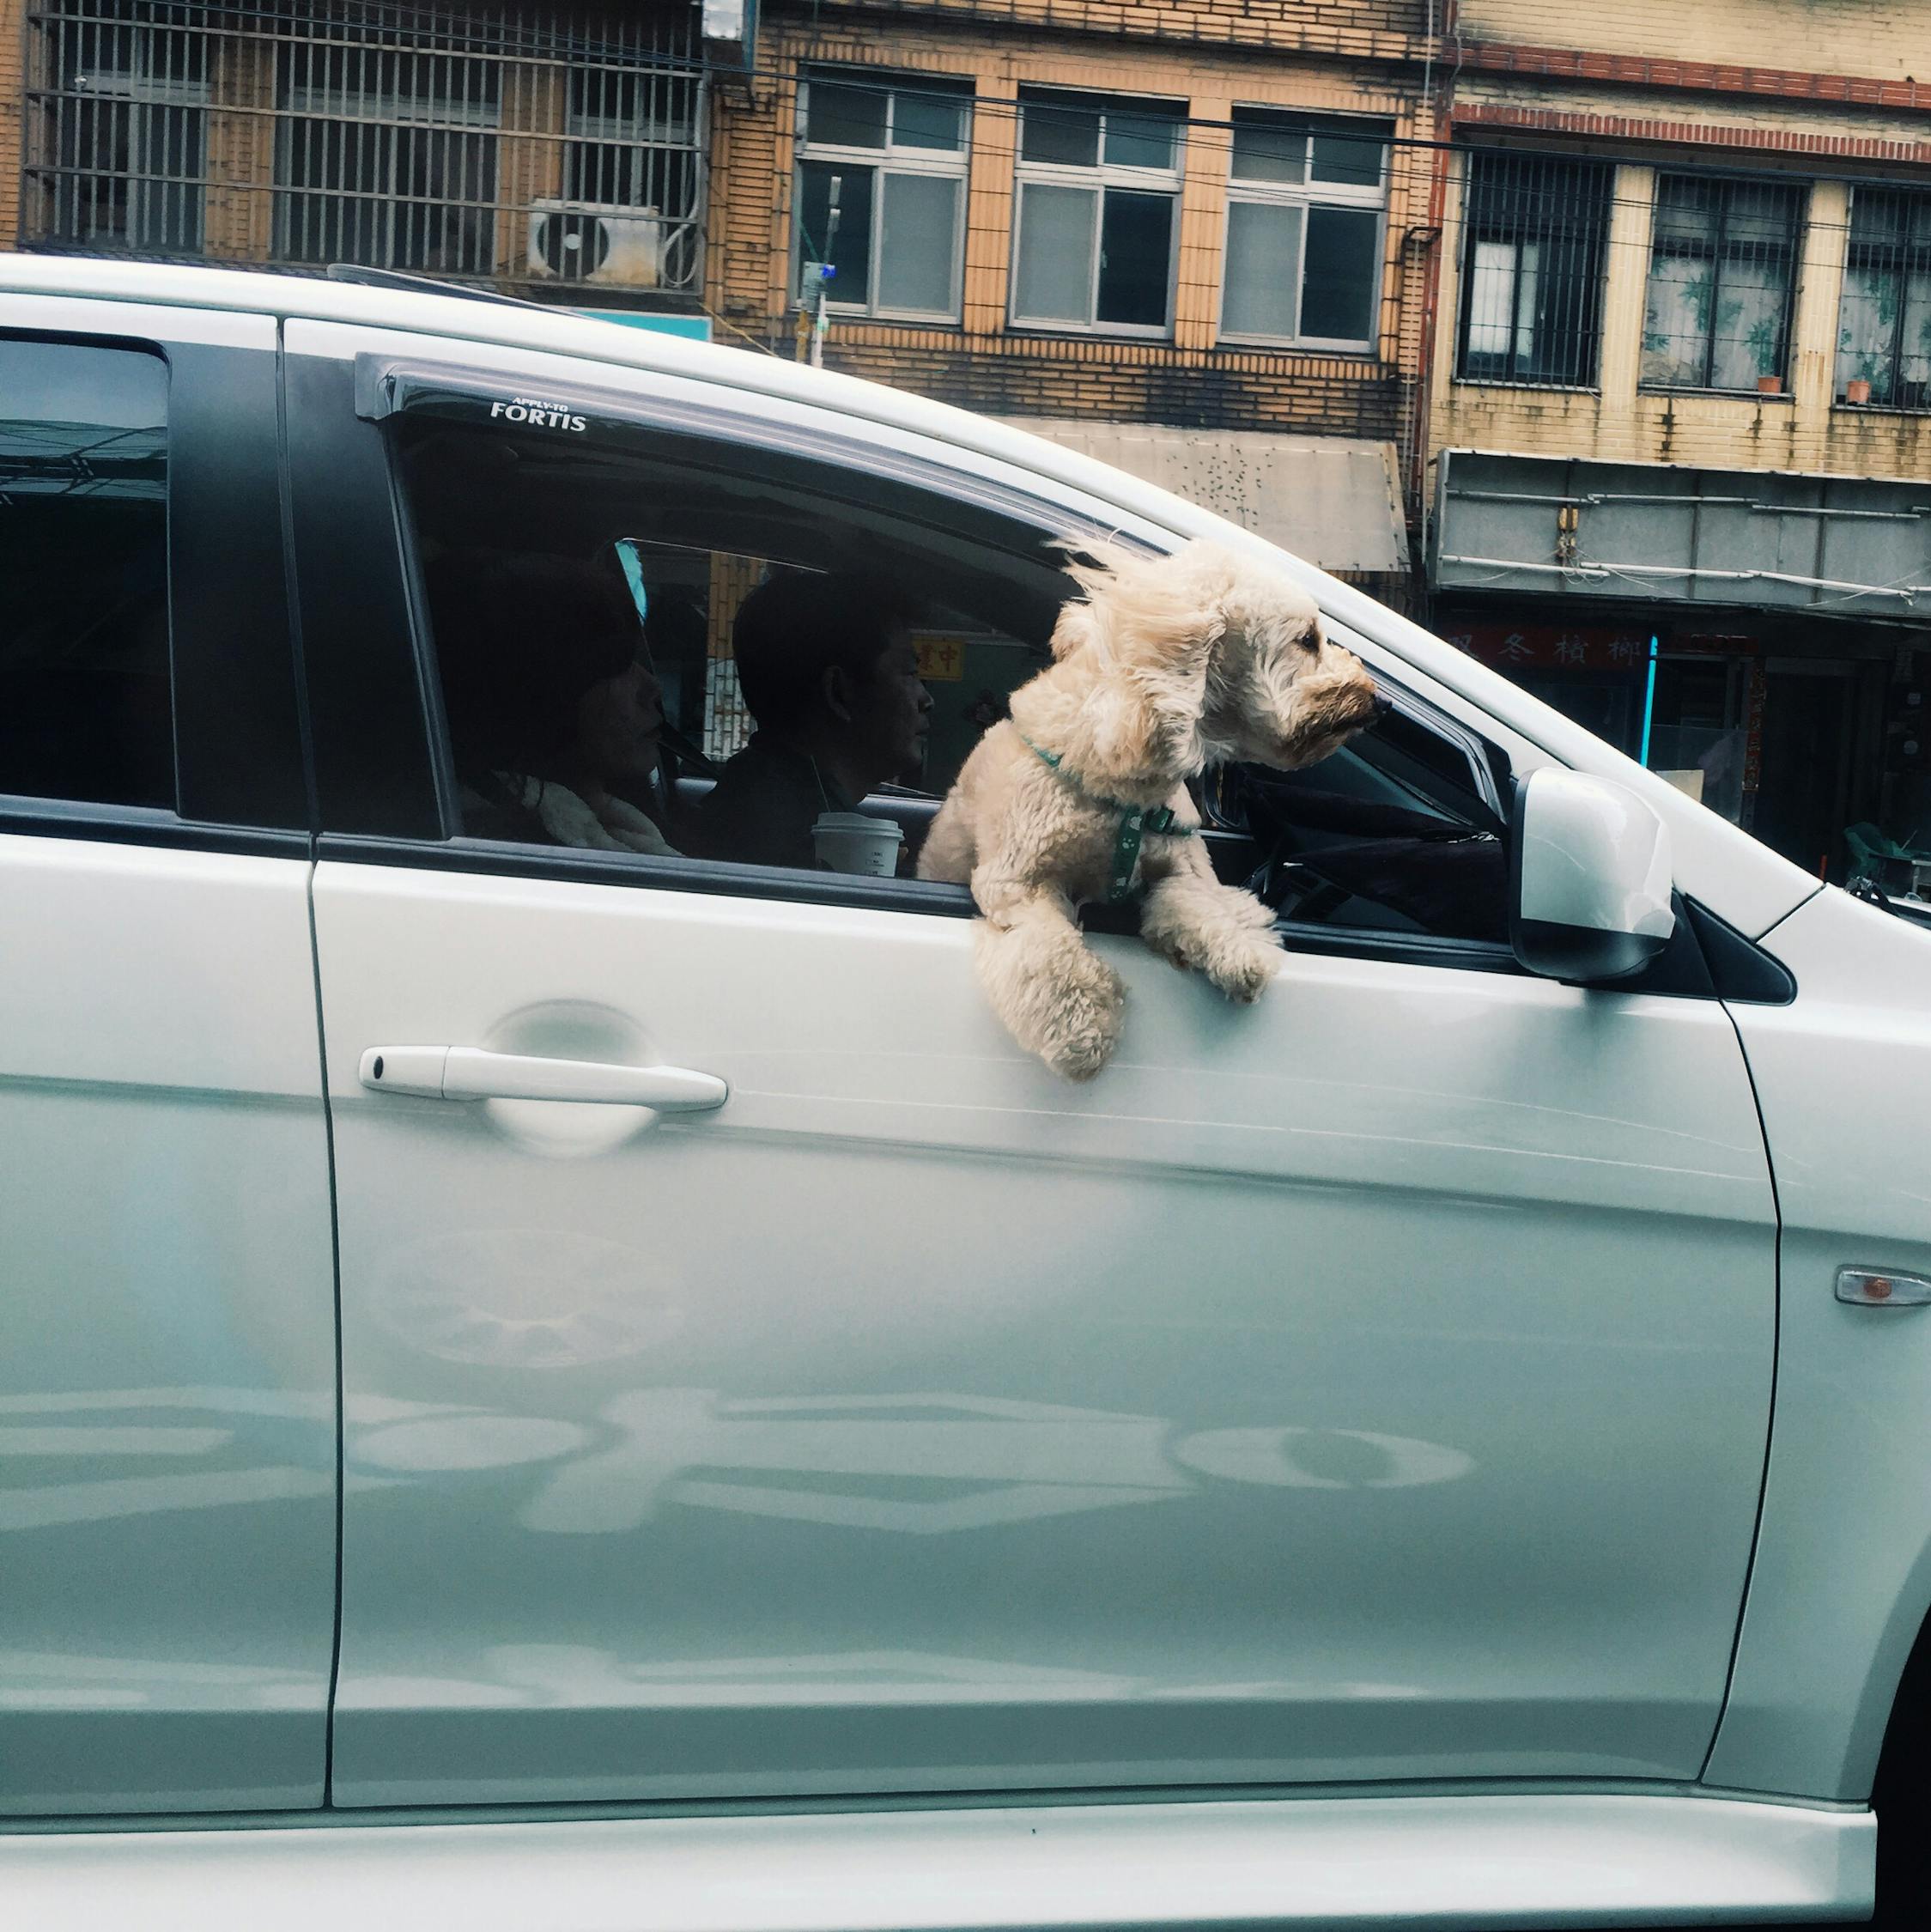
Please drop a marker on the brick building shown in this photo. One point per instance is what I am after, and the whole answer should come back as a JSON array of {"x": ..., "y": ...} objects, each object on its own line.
[
  {"x": 1680, "y": 391},
  {"x": 1117, "y": 223}
]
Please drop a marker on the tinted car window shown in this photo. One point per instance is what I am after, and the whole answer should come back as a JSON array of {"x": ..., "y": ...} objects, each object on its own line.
[{"x": 85, "y": 709}]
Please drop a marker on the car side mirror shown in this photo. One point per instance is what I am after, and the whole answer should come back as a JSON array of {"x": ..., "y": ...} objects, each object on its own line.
[{"x": 1589, "y": 895}]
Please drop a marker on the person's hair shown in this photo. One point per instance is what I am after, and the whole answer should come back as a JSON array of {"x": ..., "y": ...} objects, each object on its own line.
[
  {"x": 794, "y": 627},
  {"x": 520, "y": 640}
]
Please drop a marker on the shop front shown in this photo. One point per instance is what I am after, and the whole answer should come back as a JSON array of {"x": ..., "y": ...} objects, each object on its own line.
[{"x": 1688, "y": 619}]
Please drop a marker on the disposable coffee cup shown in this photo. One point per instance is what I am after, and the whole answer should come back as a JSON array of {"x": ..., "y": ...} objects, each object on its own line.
[{"x": 849, "y": 841}]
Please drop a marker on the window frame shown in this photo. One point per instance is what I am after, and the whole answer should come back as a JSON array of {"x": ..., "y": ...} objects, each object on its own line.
[
  {"x": 1906, "y": 258},
  {"x": 934, "y": 163},
  {"x": 1476, "y": 231},
  {"x": 1098, "y": 177},
  {"x": 1800, "y": 187},
  {"x": 345, "y": 449},
  {"x": 1307, "y": 194}
]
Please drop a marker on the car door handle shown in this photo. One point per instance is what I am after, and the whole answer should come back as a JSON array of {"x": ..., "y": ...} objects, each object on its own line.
[{"x": 472, "y": 1074}]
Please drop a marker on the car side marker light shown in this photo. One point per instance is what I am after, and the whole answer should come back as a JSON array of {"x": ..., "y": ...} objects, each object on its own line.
[{"x": 1869, "y": 1288}]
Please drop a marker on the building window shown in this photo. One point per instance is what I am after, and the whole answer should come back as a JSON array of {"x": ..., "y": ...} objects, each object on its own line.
[
  {"x": 633, "y": 145},
  {"x": 128, "y": 113},
  {"x": 1884, "y": 327},
  {"x": 1534, "y": 235},
  {"x": 1304, "y": 204},
  {"x": 1721, "y": 275},
  {"x": 881, "y": 195},
  {"x": 382, "y": 158},
  {"x": 1098, "y": 184}
]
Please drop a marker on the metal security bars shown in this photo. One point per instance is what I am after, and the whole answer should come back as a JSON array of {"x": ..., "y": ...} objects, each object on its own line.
[
  {"x": 486, "y": 144},
  {"x": 1723, "y": 277},
  {"x": 1535, "y": 237},
  {"x": 1884, "y": 325}
]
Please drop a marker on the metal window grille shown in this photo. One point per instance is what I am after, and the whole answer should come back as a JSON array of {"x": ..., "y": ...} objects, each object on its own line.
[
  {"x": 1884, "y": 325},
  {"x": 485, "y": 143},
  {"x": 1722, "y": 282},
  {"x": 1535, "y": 236}
]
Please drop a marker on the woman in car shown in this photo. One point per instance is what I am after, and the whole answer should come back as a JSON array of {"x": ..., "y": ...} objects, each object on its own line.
[{"x": 553, "y": 715}]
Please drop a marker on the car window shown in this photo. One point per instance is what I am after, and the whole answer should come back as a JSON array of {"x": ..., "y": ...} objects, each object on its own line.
[
  {"x": 594, "y": 606},
  {"x": 85, "y": 707}
]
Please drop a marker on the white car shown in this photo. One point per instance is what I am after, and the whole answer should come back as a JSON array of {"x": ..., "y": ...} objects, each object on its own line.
[{"x": 614, "y": 1361}]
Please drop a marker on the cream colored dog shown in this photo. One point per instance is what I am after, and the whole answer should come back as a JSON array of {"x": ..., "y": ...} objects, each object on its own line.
[{"x": 1170, "y": 664}]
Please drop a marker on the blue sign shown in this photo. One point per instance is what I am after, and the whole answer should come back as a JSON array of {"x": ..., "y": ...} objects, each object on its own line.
[{"x": 696, "y": 327}]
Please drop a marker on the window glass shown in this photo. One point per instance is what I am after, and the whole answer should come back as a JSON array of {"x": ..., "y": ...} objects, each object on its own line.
[
  {"x": 85, "y": 705},
  {"x": 841, "y": 116},
  {"x": 926, "y": 121},
  {"x": 1136, "y": 245},
  {"x": 847, "y": 248},
  {"x": 1055, "y": 253},
  {"x": 1263, "y": 269},
  {"x": 1138, "y": 141},
  {"x": 1269, "y": 149},
  {"x": 1304, "y": 228},
  {"x": 1338, "y": 299},
  {"x": 1346, "y": 158},
  {"x": 1066, "y": 135},
  {"x": 917, "y": 245},
  {"x": 601, "y": 609},
  {"x": 898, "y": 240}
]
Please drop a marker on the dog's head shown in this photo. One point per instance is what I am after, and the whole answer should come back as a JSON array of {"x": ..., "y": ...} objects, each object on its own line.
[
  {"x": 1232, "y": 654},
  {"x": 1280, "y": 691}
]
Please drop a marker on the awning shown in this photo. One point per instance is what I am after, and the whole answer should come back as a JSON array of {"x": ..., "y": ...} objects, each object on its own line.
[{"x": 1335, "y": 501}]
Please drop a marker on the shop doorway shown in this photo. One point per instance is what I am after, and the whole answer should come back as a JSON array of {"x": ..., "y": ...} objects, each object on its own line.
[{"x": 1803, "y": 795}]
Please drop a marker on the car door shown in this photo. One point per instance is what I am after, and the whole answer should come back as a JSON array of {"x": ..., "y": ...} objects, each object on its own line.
[
  {"x": 1373, "y": 1384},
  {"x": 167, "y": 1487}
]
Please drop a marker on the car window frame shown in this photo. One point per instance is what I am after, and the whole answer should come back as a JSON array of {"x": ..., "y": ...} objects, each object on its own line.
[
  {"x": 367, "y": 379},
  {"x": 242, "y": 773}
]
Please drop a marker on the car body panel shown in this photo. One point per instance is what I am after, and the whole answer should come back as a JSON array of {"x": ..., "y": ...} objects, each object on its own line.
[
  {"x": 1298, "y": 1402},
  {"x": 167, "y": 1333},
  {"x": 1843, "y": 1569}
]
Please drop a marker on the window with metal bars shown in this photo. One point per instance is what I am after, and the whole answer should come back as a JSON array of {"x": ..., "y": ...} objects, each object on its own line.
[
  {"x": 1884, "y": 324},
  {"x": 1535, "y": 234},
  {"x": 386, "y": 157},
  {"x": 124, "y": 126},
  {"x": 1722, "y": 280},
  {"x": 491, "y": 143}
]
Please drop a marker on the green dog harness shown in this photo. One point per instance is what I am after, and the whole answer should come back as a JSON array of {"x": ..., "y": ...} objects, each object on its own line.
[{"x": 1135, "y": 822}]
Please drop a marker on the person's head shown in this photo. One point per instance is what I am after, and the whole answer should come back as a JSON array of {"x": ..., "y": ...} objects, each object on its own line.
[
  {"x": 541, "y": 670},
  {"x": 828, "y": 661}
]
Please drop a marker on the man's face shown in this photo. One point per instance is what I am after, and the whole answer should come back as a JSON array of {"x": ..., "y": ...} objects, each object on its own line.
[{"x": 891, "y": 711}]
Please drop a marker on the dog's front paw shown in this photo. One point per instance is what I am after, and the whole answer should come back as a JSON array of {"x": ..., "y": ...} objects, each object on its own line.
[
  {"x": 1240, "y": 963},
  {"x": 1081, "y": 1025}
]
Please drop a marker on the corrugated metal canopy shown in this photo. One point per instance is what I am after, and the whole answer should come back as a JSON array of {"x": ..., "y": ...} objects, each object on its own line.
[{"x": 1335, "y": 501}]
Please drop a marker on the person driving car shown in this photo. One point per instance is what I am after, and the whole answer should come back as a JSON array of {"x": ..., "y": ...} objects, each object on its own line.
[{"x": 831, "y": 675}]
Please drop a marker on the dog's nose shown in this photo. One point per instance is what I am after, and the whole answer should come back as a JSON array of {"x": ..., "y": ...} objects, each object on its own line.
[{"x": 1383, "y": 704}]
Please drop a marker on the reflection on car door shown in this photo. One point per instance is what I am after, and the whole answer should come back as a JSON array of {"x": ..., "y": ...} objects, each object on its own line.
[{"x": 1310, "y": 1398}]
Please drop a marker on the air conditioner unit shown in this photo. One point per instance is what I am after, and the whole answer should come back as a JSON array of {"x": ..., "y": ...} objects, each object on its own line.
[{"x": 602, "y": 247}]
